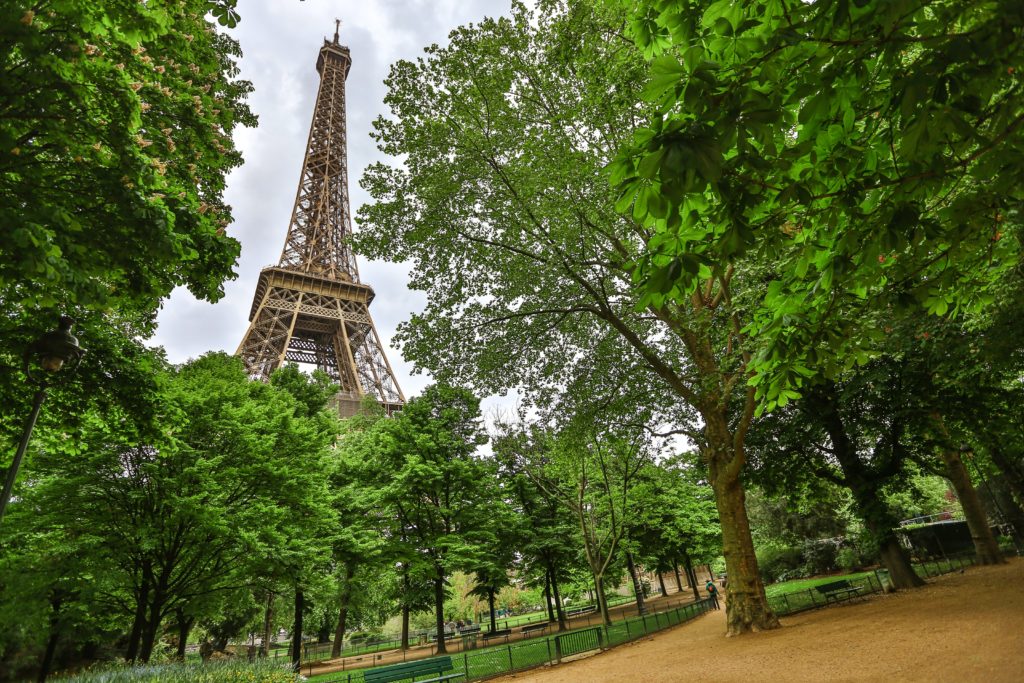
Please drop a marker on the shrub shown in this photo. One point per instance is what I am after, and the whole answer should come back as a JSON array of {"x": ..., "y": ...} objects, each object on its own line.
[
  {"x": 264, "y": 671},
  {"x": 848, "y": 559},
  {"x": 776, "y": 560}
]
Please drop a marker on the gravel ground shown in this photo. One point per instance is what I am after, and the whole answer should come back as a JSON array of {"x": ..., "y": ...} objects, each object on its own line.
[{"x": 959, "y": 628}]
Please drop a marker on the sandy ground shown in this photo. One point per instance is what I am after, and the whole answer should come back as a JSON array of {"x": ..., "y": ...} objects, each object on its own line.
[{"x": 960, "y": 628}]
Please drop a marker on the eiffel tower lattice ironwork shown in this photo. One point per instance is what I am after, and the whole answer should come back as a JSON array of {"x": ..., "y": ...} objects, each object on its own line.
[{"x": 311, "y": 308}]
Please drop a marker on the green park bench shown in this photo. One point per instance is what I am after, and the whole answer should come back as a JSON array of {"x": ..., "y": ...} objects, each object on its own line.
[
  {"x": 500, "y": 633},
  {"x": 577, "y": 611},
  {"x": 436, "y": 666},
  {"x": 838, "y": 590},
  {"x": 533, "y": 628}
]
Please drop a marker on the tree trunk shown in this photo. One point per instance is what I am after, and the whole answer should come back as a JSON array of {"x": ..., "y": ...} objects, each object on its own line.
[
  {"x": 981, "y": 533},
  {"x": 268, "y": 619},
  {"x": 51, "y": 642},
  {"x": 746, "y": 605},
  {"x": 184, "y": 627},
  {"x": 558, "y": 599},
  {"x": 679, "y": 580},
  {"x": 149, "y": 634},
  {"x": 339, "y": 632},
  {"x": 406, "y": 589},
  {"x": 139, "y": 622},
  {"x": 691, "y": 576},
  {"x": 638, "y": 589},
  {"x": 490, "y": 609},
  {"x": 1012, "y": 472},
  {"x": 602, "y": 601},
  {"x": 661, "y": 584},
  {"x": 547, "y": 593},
  {"x": 442, "y": 648},
  {"x": 300, "y": 599}
]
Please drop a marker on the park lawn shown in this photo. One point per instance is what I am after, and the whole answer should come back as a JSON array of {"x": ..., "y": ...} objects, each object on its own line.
[{"x": 797, "y": 585}]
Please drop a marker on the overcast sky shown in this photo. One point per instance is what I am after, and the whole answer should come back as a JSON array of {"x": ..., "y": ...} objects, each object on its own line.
[{"x": 280, "y": 40}]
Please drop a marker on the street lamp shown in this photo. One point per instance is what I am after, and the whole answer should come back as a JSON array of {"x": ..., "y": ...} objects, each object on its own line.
[{"x": 50, "y": 352}]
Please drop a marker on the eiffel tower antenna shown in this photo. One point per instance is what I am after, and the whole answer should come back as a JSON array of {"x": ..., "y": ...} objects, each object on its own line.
[{"x": 311, "y": 307}]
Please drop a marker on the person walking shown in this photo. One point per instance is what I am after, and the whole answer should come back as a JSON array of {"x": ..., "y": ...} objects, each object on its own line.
[{"x": 712, "y": 593}]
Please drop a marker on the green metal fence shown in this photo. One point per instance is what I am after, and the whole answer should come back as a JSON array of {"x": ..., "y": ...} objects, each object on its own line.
[
  {"x": 528, "y": 654},
  {"x": 803, "y": 600}
]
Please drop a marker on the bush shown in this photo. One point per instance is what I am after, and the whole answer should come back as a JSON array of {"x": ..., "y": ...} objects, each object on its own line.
[
  {"x": 776, "y": 560},
  {"x": 849, "y": 559},
  {"x": 820, "y": 556},
  {"x": 264, "y": 671}
]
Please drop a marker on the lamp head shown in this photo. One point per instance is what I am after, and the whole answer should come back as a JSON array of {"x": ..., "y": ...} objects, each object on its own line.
[{"x": 55, "y": 348}]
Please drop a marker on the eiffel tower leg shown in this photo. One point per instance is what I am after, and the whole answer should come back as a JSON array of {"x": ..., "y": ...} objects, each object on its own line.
[{"x": 267, "y": 339}]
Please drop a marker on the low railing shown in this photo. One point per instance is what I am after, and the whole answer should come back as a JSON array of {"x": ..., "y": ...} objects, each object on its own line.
[{"x": 528, "y": 654}]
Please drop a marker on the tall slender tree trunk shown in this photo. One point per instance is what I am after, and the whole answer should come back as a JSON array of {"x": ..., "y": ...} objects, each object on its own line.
[
  {"x": 56, "y": 600},
  {"x": 300, "y": 599},
  {"x": 985, "y": 544},
  {"x": 406, "y": 589},
  {"x": 547, "y": 594},
  {"x": 490, "y": 610},
  {"x": 442, "y": 647},
  {"x": 339, "y": 631},
  {"x": 638, "y": 588},
  {"x": 1013, "y": 473},
  {"x": 139, "y": 622},
  {"x": 865, "y": 485},
  {"x": 558, "y": 598},
  {"x": 679, "y": 580},
  {"x": 268, "y": 622},
  {"x": 661, "y": 584},
  {"x": 184, "y": 624},
  {"x": 602, "y": 601},
  {"x": 691, "y": 576}
]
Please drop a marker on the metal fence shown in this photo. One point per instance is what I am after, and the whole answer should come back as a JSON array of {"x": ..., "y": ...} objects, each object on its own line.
[
  {"x": 811, "y": 598},
  {"x": 529, "y": 654}
]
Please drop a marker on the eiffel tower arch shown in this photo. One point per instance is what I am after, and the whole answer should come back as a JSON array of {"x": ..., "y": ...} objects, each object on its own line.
[{"x": 311, "y": 307}]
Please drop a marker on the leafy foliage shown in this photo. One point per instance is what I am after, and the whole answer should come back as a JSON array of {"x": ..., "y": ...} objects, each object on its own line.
[{"x": 870, "y": 150}]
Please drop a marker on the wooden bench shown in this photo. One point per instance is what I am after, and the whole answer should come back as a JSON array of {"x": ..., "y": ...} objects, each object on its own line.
[
  {"x": 837, "y": 590},
  {"x": 580, "y": 610},
  {"x": 533, "y": 628},
  {"x": 466, "y": 630},
  {"x": 501, "y": 633},
  {"x": 410, "y": 670}
]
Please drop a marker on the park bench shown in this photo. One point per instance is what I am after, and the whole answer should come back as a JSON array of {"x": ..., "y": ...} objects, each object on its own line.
[
  {"x": 533, "y": 628},
  {"x": 580, "y": 610},
  {"x": 448, "y": 635},
  {"x": 436, "y": 666},
  {"x": 501, "y": 633},
  {"x": 466, "y": 630},
  {"x": 837, "y": 590}
]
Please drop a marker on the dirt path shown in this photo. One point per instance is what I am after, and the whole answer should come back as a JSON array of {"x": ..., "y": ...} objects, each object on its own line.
[{"x": 960, "y": 628}]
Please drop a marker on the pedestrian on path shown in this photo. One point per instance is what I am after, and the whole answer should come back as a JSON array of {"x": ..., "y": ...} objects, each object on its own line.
[{"x": 712, "y": 593}]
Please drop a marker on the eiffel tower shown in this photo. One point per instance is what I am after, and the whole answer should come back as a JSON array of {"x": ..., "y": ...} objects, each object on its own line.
[{"x": 311, "y": 307}]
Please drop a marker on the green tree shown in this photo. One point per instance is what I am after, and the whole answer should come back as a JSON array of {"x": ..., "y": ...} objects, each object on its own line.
[
  {"x": 503, "y": 205},
  {"x": 114, "y": 146},
  {"x": 175, "y": 518},
  {"x": 441, "y": 492}
]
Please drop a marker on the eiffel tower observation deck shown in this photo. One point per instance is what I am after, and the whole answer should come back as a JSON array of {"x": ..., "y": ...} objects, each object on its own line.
[{"x": 311, "y": 307}]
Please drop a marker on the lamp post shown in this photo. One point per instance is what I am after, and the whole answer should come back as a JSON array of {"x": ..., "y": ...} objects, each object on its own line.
[{"x": 49, "y": 352}]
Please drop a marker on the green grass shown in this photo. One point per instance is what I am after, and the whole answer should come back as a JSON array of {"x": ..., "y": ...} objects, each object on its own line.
[{"x": 796, "y": 585}]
